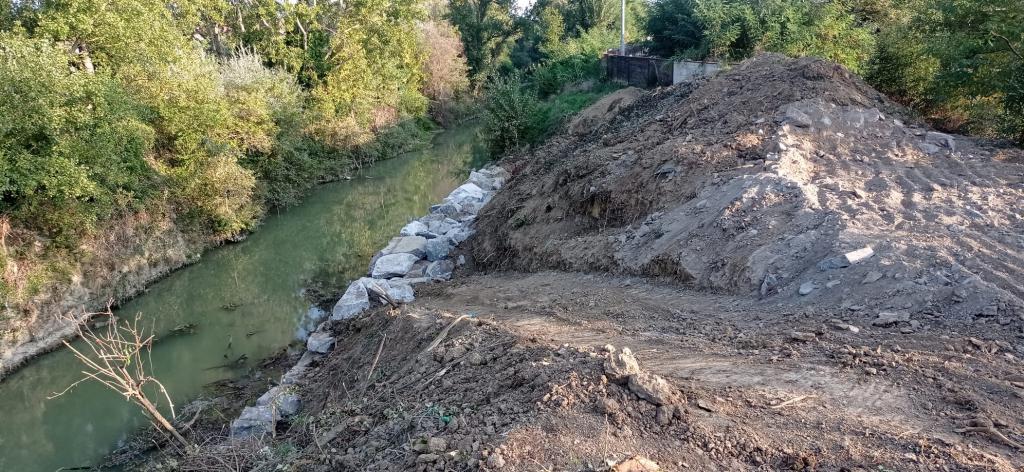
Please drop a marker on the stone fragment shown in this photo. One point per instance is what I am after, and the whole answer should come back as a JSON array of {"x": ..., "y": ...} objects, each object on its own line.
[
  {"x": 807, "y": 287},
  {"x": 393, "y": 265},
  {"x": 620, "y": 365},
  {"x": 353, "y": 302},
  {"x": 859, "y": 255},
  {"x": 466, "y": 193},
  {"x": 425, "y": 458},
  {"x": 437, "y": 249},
  {"x": 484, "y": 181},
  {"x": 415, "y": 245},
  {"x": 495, "y": 460},
  {"x": 255, "y": 421},
  {"x": 802, "y": 336},
  {"x": 459, "y": 234},
  {"x": 413, "y": 228},
  {"x": 399, "y": 290},
  {"x": 940, "y": 139},
  {"x": 320, "y": 342},
  {"x": 872, "y": 277},
  {"x": 449, "y": 209},
  {"x": 663, "y": 415},
  {"x": 440, "y": 270},
  {"x": 437, "y": 445},
  {"x": 796, "y": 117},
  {"x": 832, "y": 263},
  {"x": 283, "y": 399},
  {"x": 652, "y": 388},
  {"x": 636, "y": 464},
  {"x": 888, "y": 318}
]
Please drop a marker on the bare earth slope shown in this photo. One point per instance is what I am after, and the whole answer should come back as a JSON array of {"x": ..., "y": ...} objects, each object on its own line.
[
  {"x": 805, "y": 281},
  {"x": 759, "y": 182}
]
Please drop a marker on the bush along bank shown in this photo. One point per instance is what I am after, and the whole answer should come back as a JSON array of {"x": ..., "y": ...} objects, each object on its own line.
[{"x": 422, "y": 253}]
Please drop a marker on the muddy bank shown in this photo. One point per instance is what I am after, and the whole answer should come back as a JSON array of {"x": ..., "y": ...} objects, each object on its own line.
[{"x": 126, "y": 259}]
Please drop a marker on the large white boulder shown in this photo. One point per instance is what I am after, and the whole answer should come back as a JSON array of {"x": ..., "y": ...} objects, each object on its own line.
[
  {"x": 413, "y": 228},
  {"x": 393, "y": 265},
  {"x": 408, "y": 244},
  {"x": 466, "y": 193},
  {"x": 353, "y": 302}
]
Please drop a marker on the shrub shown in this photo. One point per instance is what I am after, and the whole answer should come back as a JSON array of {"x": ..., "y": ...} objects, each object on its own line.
[
  {"x": 269, "y": 118},
  {"x": 444, "y": 66},
  {"x": 72, "y": 144},
  {"x": 512, "y": 112},
  {"x": 573, "y": 61},
  {"x": 736, "y": 29}
]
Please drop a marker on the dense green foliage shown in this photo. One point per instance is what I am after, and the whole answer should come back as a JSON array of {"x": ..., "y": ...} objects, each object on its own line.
[
  {"x": 735, "y": 29},
  {"x": 961, "y": 62},
  {"x": 544, "y": 64},
  {"x": 72, "y": 145},
  {"x": 210, "y": 111},
  {"x": 225, "y": 107}
]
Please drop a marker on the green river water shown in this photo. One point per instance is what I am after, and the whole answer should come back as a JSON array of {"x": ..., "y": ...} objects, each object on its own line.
[{"x": 332, "y": 234}]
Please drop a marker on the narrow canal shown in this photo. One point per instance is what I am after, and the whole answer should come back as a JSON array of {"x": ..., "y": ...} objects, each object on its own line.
[{"x": 332, "y": 234}]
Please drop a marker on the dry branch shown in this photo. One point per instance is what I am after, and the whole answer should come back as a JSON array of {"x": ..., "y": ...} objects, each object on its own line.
[{"x": 117, "y": 357}]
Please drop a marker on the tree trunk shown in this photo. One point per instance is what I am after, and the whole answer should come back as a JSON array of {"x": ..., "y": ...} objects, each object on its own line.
[{"x": 159, "y": 418}]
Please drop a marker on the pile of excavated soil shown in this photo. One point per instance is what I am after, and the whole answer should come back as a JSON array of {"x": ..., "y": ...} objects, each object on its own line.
[
  {"x": 529, "y": 372},
  {"x": 785, "y": 179}
]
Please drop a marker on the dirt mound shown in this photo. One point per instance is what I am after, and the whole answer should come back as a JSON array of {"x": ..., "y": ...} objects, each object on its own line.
[
  {"x": 516, "y": 373},
  {"x": 603, "y": 111},
  {"x": 785, "y": 179}
]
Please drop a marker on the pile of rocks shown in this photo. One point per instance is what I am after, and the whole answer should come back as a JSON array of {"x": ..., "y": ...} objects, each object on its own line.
[{"x": 419, "y": 254}]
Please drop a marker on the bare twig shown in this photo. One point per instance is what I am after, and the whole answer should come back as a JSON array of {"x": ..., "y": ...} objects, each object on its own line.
[
  {"x": 792, "y": 401},
  {"x": 444, "y": 333},
  {"x": 117, "y": 358},
  {"x": 376, "y": 358},
  {"x": 1009, "y": 45}
]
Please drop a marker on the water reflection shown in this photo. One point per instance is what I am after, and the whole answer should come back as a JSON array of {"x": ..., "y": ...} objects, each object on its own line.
[{"x": 245, "y": 299}]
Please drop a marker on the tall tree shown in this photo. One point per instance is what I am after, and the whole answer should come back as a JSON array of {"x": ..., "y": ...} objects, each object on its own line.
[{"x": 487, "y": 28}]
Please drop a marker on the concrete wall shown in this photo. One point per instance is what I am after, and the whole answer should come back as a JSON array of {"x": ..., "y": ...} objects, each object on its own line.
[
  {"x": 639, "y": 71},
  {"x": 685, "y": 71},
  {"x": 648, "y": 71}
]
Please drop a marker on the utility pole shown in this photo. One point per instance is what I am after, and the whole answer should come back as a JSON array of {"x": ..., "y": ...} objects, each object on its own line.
[{"x": 622, "y": 35}]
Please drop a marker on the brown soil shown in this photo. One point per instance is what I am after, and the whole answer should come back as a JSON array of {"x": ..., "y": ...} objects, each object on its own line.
[
  {"x": 683, "y": 226},
  {"x": 747, "y": 183}
]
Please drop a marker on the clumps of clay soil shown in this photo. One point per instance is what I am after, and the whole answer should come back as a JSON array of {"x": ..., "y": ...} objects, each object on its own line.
[{"x": 785, "y": 179}]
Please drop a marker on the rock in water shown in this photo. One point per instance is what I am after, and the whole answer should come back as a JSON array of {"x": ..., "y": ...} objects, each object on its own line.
[
  {"x": 353, "y": 302},
  {"x": 320, "y": 342},
  {"x": 393, "y": 265},
  {"x": 255, "y": 421}
]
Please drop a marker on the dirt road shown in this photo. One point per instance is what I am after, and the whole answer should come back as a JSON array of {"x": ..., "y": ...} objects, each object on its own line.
[{"x": 876, "y": 397}]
